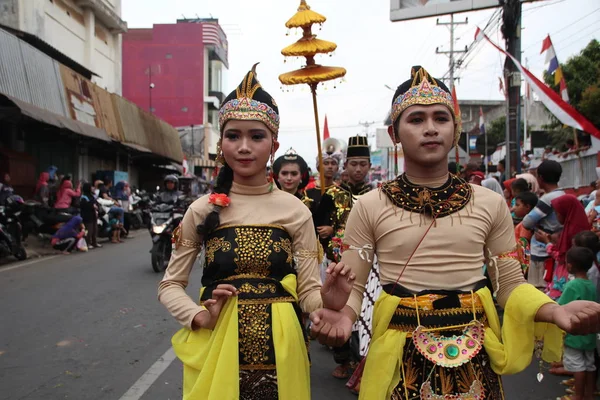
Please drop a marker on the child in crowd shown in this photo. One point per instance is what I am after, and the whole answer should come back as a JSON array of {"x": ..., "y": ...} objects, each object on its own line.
[
  {"x": 578, "y": 356},
  {"x": 116, "y": 228},
  {"x": 524, "y": 203},
  {"x": 517, "y": 187},
  {"x": 590, "y": 240}
]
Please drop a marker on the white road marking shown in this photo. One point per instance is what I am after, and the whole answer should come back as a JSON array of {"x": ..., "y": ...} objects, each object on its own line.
[
  {"x": 4, "y": 269},
  {"x": 154, "y": 372}
]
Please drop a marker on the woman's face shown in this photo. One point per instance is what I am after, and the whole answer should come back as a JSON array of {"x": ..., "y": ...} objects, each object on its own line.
[
  {"x": 290, "y": 177},
  {"x": 247, "y": 147},
  {"x": 507, "y": 194}
]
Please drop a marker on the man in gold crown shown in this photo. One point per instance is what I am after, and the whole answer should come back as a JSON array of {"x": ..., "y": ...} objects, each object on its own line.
[
  {"x": 437, "y": 334},
  {"x": 336, "y": 205}
]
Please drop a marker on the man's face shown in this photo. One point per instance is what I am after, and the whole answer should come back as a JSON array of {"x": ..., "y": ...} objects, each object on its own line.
[
  {"x": 426, "y": 134},
  {"x": 170, "y": 185},
  {"x": 357, "y": 169},
  {"x": 330, "y": 168},
  {"x": 501, "y": 168}
]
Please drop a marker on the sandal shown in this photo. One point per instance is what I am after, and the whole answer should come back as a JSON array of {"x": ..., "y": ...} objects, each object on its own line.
[
  {"x": 341, "y": 372},
  {"x": 568, "y": 382}
]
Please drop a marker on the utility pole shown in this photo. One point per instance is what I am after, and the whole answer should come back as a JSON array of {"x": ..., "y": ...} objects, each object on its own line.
[
  {"x": 451, "y": 63},
  {"x": 511, "y": 30},
  {"x": 366, "y": 126},
  {"x": 193, "y": 143}
]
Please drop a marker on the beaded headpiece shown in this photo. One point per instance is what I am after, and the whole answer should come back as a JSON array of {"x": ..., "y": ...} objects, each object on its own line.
[
  {"x": 250, "y": 102},
  {"x": 422, "y": 89},
  {"x": 291, "y": 157}
]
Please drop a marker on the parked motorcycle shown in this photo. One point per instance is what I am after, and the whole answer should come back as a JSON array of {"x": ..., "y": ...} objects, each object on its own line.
[
  {"x": 165, "y": 218},
  {"x": 10, "y": 228},
  {"x": 134, "y": 211},
  {"x": 104, "y": 216},
  {"x": 41, "y": 220}
]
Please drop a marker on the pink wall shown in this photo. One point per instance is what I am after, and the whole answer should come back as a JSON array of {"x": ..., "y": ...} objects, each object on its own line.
[{"x": 175, "y": 53}]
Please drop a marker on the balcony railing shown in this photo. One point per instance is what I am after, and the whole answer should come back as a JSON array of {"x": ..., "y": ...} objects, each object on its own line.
[{"x": 578, "y": 171}]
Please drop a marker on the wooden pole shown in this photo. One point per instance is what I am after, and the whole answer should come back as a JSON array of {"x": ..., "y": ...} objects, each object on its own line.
[{"x": 313, "y": 89}]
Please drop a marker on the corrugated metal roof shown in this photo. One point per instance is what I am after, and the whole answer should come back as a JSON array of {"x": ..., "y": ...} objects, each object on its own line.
[
  {"x": 13, "y": 80},
  {"x": 39, "y": 114},
  {"x": 29, "y": 75}
]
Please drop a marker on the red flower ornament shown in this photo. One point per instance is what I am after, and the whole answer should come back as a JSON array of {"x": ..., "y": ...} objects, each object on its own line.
[{"x": 219, "y": 199}]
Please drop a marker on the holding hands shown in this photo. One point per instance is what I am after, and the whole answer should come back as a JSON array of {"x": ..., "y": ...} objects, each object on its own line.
[{"x": 337, "y": 286}]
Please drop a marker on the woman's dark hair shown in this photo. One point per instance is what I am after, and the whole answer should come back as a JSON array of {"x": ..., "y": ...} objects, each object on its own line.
[
  {"x": 87, "y": 189},
  {"x": 520, "y": 185},
  {"x": 212, "y": 221},
  {"x": 587, "y": 239},
  {"x": 302, "y": 166}
]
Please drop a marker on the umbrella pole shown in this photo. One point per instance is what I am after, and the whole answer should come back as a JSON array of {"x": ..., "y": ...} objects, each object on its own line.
[{"x": 313, "y": 89}]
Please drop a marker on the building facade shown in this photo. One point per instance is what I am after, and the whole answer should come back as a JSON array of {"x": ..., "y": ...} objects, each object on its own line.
[
  {"x": 86, "y": 31},
  {"x": 175, "y": 71}
]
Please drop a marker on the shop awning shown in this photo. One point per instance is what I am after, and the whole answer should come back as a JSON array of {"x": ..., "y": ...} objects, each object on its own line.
[{"x": 39, "y": 114}]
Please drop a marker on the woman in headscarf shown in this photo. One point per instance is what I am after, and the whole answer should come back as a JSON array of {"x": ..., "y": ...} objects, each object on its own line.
[
  {"x": 42, "y": 191},
  {"x": 65, "y": 239},
  {"x": 571, "y": 214},
  {"x": 532, "y": 181},
  {"x": 244, "y": 340},
  {"x": 89, "y": 213},
  {"x": 65, "y": 195},
  {"x": 493, "y": 185}
]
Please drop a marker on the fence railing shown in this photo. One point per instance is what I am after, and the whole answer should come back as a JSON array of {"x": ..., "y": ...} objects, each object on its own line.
[{"x": 578, "y": 171}]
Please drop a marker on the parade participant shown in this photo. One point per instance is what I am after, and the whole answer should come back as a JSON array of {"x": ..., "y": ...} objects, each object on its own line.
[
  {"x": 336, "y": 204},
  {"x": 338, "y": 200},
  {"x": 291, "y": 175},
  {"x": 332, "y": 159},
  {"x": 436, "y": 328},
  {"x": 244, "y": 340}
]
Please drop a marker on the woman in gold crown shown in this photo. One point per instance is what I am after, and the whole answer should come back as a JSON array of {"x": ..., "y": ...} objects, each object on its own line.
[
  {"x": 437, "y": 334},
  {"x": 291, "y": 175},
  {"x": 244, "y": 340}
]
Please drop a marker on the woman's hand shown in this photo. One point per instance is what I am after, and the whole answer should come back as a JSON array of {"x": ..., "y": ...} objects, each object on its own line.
[
  {"x": 208, "y": 319},
  {"x": 337, "y": 287},
  {"x": 331, "y": 328},
  {"x": 577, "y": 317}
]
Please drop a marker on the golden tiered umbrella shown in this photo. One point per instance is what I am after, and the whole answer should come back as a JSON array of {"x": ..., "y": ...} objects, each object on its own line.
[{"x": 312, "y": 73}]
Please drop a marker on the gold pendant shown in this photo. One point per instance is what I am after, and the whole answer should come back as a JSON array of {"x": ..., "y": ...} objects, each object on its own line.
[
  {"x": 476, "y": 392},
  {"x": 453, "y": 351}
]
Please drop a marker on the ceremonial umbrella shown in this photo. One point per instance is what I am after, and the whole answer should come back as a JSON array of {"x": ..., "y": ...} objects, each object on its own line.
[{"x": 312, "y": 73}]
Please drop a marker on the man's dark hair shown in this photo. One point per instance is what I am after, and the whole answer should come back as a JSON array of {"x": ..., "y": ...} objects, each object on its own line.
[
  {"x": 503, "y": 162},
  {"x": 580, "y": 258},
  {"x": 520, "y": 185},
  {"x": 550, "y": 171},
  {"x": 527, "y": 198}
]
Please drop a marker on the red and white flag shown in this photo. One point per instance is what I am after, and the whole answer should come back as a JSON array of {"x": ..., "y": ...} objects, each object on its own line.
[{"x": 564, "y": 112}]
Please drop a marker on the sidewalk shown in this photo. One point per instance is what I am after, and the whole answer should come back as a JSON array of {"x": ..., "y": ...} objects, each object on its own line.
[{"x": 37, "y": 248}]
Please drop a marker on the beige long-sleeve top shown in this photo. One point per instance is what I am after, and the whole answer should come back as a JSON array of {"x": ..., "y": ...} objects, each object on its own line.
[
  {"x": 250, "y": 205},
  {"x": 450, "y": 257}
]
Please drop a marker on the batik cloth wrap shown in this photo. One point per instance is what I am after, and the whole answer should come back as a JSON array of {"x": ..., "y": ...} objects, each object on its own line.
[{"x": 509, "y": 348}]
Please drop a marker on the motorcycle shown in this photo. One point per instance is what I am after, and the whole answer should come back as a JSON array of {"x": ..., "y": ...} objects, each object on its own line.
[
  {"x": 104, "y": 216},
  {"x": 165, "y": 219},
  {"x": 10, "y": 228},
  {"x": 41, "y": 220},
  {"x": 134, "y": 211}
]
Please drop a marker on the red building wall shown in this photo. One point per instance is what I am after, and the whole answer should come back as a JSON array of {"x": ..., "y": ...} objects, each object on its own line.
[{"x": 175, "y": 55}]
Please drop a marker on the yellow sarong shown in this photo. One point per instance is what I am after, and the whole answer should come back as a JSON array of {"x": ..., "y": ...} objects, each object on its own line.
[
  {"x": 509, "y": 347},
  {"x": 211, "y": 357}
]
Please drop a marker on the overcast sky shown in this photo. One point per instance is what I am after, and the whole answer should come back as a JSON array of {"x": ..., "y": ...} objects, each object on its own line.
[{"x": 375, "y": 51}]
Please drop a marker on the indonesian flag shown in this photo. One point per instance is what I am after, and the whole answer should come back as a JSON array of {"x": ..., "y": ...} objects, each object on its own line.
[
  {"x": 553, "y": 102},
  {"x": 325, "y": 129},
  {"x": 554, "y": 67}
]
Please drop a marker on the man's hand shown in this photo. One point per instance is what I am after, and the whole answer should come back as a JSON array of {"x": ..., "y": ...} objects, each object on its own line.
[
  {"x": 578, "y": 317},
  {"x": 208, "y": 319},
  {"x": 337, "y": 287},
  {"x": 331, "y": 328},
  {"x": 325, "y": 231}
]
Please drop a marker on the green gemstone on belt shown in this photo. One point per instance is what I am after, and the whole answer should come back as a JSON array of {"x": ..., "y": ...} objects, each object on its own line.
[{"x": 451, "y": 351}]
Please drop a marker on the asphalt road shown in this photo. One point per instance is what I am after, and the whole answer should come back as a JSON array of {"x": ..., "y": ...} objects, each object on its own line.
[{"x": 89, "y": 326}]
